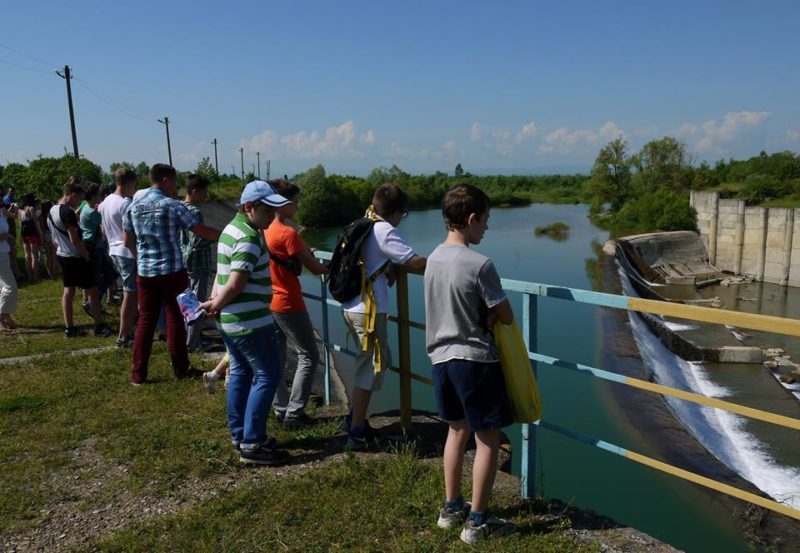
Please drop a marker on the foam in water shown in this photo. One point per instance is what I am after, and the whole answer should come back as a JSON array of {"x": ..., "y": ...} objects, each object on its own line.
[
  {"x": 722, "y": 433},
  {"x": 678, "y": 327}
]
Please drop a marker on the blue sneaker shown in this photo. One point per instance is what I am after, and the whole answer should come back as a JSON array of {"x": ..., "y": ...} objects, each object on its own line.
[{"x": 453, "y": 519}]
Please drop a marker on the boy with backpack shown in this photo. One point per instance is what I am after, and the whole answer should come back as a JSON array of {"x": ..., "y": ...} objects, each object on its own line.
[
  {"x": 366, "y": 312},
  {"x": 463, "y": 298}
]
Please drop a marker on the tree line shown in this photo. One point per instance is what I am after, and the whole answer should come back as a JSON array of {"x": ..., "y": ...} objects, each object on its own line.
[
  {"x": 628, "y": 191},
  {"x": 649, "y": 190}
]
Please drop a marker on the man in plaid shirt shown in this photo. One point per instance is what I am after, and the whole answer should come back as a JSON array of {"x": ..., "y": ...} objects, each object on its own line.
[{"x": 152, "y": 227}]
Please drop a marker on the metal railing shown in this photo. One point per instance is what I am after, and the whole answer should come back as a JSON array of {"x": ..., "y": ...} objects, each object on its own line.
[{"x": 530, "y": 294}]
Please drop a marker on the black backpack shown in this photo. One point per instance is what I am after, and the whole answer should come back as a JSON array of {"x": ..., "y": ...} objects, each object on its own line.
[{"x": 344, "y": 279}]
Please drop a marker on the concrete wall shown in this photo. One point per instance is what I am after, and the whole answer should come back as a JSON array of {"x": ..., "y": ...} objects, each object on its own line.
[{"x": 756, "y": 241}]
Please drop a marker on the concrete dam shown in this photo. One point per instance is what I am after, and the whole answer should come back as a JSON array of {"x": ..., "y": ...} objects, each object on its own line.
[{"x": 755, "y": 241}]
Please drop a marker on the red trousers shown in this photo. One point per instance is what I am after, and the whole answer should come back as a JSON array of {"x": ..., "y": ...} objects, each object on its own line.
[{"x": 153, "y": 292}]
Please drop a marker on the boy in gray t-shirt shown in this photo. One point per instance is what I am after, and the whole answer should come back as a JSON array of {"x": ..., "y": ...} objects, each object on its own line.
[{"x": 463, "y": 297}]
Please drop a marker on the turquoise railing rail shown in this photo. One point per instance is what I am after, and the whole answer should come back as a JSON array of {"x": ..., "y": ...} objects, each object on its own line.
[{"x": 530, "y": 293}]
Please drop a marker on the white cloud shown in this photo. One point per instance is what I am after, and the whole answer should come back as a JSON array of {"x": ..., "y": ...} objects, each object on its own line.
[
  {"x": 265, "y": 142},
  {"x": 475, "y": 132},
  {"x": 449, "y": 147},
  {"x": 793, "y": 135},
  {"x": 734, "y": 125},
  {"x": 527, "y": 131},
  {"x": 564, "y": 141},
  {"x": 335, "y": 142}
]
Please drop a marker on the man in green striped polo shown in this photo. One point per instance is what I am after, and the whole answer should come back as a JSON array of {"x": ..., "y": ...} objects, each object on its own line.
[{"x": 241, "y": 303}]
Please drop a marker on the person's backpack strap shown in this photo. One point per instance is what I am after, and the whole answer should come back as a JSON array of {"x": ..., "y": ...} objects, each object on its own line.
[{"x": 55, "y": 225}]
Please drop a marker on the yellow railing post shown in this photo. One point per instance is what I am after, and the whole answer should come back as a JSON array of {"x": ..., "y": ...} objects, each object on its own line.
[{"x": 404, "y": 345}]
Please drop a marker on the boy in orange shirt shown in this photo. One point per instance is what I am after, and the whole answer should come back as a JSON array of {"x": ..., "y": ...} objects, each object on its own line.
[{"x": 287, "y": 257}]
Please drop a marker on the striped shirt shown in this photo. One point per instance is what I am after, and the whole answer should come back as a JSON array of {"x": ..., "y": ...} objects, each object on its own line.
[
  {"x": 157, "y": 222},
  {"x": 241, "y": 249}
]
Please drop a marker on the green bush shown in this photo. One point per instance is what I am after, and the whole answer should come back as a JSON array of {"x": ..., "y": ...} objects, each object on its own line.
[
  {"x": 659, "y": 211},
  {"x": 759, "y": 187}
]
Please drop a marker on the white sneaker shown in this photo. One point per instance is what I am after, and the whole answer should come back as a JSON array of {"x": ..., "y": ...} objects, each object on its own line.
[
  {"x": 453, "y": 519},
  {"x": 209, "y": 383},
  {"x": 494, "y": 526}
]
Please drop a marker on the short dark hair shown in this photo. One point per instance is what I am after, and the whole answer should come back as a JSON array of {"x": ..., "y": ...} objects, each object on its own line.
[
  {"x": 125, "y": 175},
  {"x": 285, "y": 188},
  {"x": 462, "y": 200},
  {"x": 29, "y": 199},
  {"x": 196, "y": 182},
  {"x": 161, "y": 171},
  {"x": 389, "y": 198},
  {"x": 73, "y": 187}
]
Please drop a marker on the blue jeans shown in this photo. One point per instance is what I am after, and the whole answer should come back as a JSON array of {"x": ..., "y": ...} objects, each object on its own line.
[{"x": 255, "y": 371}]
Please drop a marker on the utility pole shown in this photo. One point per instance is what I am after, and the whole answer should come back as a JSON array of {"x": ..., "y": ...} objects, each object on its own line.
[
  {"x": 258, "y": 164},
  {"x": 241, "y": 153},
  {"x": 216, "y": 161},
  {"x": 165, "y": 122},
  {"x": 268, "y": 165},
  {"x": 67, "y": 77}
]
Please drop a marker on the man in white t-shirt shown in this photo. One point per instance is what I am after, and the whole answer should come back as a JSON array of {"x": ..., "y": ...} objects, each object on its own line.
[
  {"x": 112, "y": 209},
  {"x": 382, "y": 247}
]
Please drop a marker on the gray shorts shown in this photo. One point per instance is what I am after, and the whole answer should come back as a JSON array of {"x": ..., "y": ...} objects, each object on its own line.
[
  {"x": 126, "y": 267},
  {"x": 365, "y": 376}
]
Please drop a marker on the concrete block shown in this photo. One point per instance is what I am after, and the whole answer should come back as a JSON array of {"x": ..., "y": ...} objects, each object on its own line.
[{"x": 740, "y": 354}]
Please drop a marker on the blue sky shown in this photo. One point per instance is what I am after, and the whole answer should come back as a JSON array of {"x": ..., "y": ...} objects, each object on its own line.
[{"x": 510, "y": 87}]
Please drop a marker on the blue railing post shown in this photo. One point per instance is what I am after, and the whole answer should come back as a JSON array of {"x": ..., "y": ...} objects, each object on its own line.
[
  {"x": 528, "y": 460},
  {"x": 325, "y": 339}
]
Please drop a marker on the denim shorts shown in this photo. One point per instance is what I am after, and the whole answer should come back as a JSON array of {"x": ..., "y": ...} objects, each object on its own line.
[
  {"x": 472, "y": 391},
  {"x": 126, "y": 267}
]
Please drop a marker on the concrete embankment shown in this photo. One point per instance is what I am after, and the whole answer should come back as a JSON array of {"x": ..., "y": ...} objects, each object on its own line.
[{"x": 757, "y": 241}]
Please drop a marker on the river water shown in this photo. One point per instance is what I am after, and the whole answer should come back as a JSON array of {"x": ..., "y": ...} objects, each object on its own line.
[{"x": 665, "y": 507}]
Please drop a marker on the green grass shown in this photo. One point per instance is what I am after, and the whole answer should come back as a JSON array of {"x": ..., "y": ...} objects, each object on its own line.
[
  {"x": 42, "y": 325},
  {"x": 355, "y": 505},
  {"x": 74, "y": 432}
]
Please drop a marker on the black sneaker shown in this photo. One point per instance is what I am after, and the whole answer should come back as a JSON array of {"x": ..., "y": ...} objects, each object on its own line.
[
  {"x": 192, "y": 374},
  {"x": 73, "y": 332},
  {"x": 369, "y": 432},
  {"x": 103, "y": 331},
  {"x": 266, "y": 454},
  {"x": 298, "y": 422},
  {"x": 357, "y": 443},
  {"x": 124, "y": 343}
]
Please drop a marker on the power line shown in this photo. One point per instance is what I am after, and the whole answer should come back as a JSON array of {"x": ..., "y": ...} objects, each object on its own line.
[
  {"x": 25, "y": 67},
  {"x": 109, "y": 102},
  {"x": 34, "y": 58}
]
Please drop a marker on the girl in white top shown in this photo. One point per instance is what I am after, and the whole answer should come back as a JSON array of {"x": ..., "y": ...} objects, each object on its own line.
[{"x": 8, "y": 284}]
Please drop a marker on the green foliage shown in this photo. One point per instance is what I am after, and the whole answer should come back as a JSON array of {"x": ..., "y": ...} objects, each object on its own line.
[
  {"x": 554, "y": 229},
  {"x": 46, "y": 176},
  {"x": 759, "y": 187},
  {"x": 206, "y": 169},
  {"x": 660, "y": 211},
  {"x": 661, "y": 164},
  {"x": 611, "y": 175},
  {"x": 324, "y": 201}
]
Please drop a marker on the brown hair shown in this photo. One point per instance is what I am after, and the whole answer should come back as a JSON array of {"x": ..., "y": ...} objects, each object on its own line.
[
  {"x": 196, "y": 182},
  {"x": 161, "y": 171},
  {"x": 389, "y": 198},
  {"x": 73, "y": 186},
  {"x": 285, "y": 188},
  {"x": 124, "y": 175},
  {"x": 92, "y": 191},
  {"x": 462, "y": 200}
]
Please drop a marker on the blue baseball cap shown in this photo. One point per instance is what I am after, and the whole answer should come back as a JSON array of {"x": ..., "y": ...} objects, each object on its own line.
[{"x": 260, "y": 191}]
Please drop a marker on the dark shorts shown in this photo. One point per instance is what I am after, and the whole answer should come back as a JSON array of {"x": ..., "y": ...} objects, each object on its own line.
[
  {"x": 472, "y": 391},
  {"x": 76, "y": 272}
]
